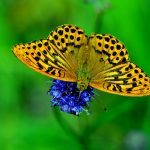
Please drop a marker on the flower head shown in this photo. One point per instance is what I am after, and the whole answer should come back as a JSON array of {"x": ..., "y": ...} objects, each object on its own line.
[{"x": 68, "y": 98}]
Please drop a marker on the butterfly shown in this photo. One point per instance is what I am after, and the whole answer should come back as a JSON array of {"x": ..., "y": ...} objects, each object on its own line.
[{"x": 100, "y": 61}]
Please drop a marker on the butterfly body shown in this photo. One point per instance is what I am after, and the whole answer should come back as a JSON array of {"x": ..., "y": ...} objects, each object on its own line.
[
  {"x": 100, "y": 61},
  {"x": 83, "y": 72}
]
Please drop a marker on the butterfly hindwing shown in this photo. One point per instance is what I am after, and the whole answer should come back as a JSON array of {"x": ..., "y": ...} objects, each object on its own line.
[
  {"x": 109, "y": 48},
  {"x": 68, "y": 38},
  {"x": 116, "y": 74}
]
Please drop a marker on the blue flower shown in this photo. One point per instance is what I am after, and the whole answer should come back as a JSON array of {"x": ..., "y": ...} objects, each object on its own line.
[{"x": 68, "y": 98}]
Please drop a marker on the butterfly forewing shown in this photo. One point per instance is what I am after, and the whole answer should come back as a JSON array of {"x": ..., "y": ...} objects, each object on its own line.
[
  {"x": 42, "y": 57},
  {"x": 116, "y": 73},
  {"x": 55, "y": 56}
]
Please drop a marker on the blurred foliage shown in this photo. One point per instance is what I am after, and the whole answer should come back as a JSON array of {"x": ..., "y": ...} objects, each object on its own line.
[{"x": 27, "y": 120}]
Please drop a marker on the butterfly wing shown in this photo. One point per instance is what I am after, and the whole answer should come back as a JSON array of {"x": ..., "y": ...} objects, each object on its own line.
[
  {"x": 112, "y": 71},
  {"x": 55, "y": 56}
]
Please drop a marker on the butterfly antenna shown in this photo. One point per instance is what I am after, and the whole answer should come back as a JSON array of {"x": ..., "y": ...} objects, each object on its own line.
[
  {"x": 79, "y": 94},
  {"x": 87, "y": 112},
  {"x": 96, "y": 93}
]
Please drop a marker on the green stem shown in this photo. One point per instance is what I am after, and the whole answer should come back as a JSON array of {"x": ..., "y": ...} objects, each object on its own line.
[
  {"x": 84, "y": 142},
  {"x": 84, "y": 138},
  {"x": 65, "y": 126}
]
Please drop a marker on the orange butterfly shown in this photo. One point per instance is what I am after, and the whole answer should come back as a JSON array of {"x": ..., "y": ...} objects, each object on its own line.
[{"x": 100, "y": 61}]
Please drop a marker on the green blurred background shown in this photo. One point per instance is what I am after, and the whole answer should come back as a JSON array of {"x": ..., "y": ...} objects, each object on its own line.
[{"x": 26, "y": 118}]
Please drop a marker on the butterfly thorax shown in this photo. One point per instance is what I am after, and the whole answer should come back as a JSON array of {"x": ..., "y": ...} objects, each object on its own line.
[{"x": 83, "y": 79}]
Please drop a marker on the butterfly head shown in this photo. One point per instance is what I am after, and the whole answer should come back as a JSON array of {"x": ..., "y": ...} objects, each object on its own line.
[{"x": 82, "y": 85}]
